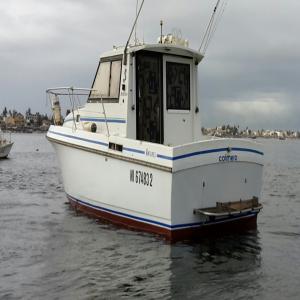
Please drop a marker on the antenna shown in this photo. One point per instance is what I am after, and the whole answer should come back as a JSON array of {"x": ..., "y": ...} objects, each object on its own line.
[
  {"x": 134, "y": 24},
  {"x": 161, "y": 31}
]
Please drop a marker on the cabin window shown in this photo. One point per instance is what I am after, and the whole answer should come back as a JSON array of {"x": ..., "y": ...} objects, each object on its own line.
[
  {"x": 101, "y": 84},
  {"x": 107, "y": 81},
  {"x": 115, "y": 76},
  {"x": 178, "y": 86}
]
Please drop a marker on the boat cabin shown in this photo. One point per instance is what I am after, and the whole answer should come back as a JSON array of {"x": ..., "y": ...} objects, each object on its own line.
[{"x": 151, "y": 96}]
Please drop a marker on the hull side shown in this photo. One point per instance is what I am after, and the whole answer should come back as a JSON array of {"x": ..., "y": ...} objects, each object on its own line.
[
  {"x": 117, "y": 218},
  {"x": 5, "y": 149},
  {"x": 232, "y": 225},
  {"x": 108, "y": 183}
]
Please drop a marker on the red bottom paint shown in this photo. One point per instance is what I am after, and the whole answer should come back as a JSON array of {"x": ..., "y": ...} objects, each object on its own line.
[{"x": 233, "y": 226}]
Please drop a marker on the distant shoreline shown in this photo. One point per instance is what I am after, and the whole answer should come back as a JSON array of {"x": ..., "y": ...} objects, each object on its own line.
[
  {"x": 25, "y": 130},
  {"x": 227, "y": 131}
]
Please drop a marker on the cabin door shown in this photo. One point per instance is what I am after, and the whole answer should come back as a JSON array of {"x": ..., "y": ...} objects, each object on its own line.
[{"x": 149, "y": 114}]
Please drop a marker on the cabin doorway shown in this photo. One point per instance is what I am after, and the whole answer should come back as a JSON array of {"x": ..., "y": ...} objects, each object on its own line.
[{"x": 149, "y": 97}]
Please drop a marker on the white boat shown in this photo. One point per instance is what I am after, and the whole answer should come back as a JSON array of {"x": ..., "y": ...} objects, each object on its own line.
[
  {"x": 5, "y": 145},
  {"x": 134, "y": 154}
]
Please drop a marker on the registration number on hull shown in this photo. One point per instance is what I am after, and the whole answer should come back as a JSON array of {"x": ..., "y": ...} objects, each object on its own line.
[{"x": 141, "y": 177}]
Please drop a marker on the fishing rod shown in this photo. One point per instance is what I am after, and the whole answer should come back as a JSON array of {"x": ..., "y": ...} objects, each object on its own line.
[
  {"x": 134, "y": 24},
  {"x": 212, "y": 25}
]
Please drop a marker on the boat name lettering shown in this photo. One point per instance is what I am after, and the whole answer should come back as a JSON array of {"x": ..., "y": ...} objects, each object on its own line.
[
  {"x": 151, "y": 153},
  {"x": 228, "y": 158},
  {"x": 141, "y": 177}
]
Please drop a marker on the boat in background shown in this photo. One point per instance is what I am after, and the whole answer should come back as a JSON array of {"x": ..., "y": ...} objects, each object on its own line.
[
  {"x": 5, "y": 145},
  {"x": 134, "y": 153}
]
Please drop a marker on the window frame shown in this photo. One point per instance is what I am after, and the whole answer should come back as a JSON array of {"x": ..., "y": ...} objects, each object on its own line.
[{"x": 107, "y": 99}]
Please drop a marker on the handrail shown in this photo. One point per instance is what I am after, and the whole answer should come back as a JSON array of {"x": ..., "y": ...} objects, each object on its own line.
[
  {"x": 68, "y": 89},
  {"x": 71, "y": 92}
]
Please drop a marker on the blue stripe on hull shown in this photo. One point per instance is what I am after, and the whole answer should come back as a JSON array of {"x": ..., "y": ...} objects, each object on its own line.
[
  {"x": 168, "y": 226},
  {"x": 99, "y": 120},
  {"x": 79, "y": 138},
  {"x": 104, "y": 120},
  {"x": 209, "y": 151},
  {"x": 134, "y": 150},
  {"x": 160, "y": 155}
]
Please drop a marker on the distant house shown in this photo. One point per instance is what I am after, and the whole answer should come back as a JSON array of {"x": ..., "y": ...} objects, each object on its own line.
[
  {"x": 33, "y": 119},
  {"x": 19, "y": 120},
  {"x": 9, "y": 121}
]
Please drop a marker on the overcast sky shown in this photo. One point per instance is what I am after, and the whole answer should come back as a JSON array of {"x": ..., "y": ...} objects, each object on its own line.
[{"x": 250, "y": 75}]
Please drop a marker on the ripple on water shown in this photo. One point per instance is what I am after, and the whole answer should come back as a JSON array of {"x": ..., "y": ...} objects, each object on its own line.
[{"x": 286, "y": 234}]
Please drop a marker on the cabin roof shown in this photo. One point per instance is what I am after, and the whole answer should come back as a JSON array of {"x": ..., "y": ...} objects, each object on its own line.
[{"x": 170, "y": 49}]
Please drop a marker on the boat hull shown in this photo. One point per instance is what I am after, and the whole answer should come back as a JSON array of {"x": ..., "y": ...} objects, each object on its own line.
[
  {"x": 155, "y": 198},
  {"x": 234, "y": 224},
  {"x": 5, "y": 149}
]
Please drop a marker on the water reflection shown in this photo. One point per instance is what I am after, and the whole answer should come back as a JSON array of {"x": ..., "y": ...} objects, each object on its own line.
[
  {"x": 87, "y": 258},
  {"x": 225, "y": 266}
]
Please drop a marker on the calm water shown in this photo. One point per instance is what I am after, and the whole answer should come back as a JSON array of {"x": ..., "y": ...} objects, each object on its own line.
[{"x": 49, "y": 252}]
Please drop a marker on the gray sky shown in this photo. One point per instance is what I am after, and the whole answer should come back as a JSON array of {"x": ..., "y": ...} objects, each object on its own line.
[{"x": 250, "y": 75}]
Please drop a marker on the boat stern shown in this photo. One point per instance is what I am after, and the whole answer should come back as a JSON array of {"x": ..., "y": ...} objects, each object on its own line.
[{"x": 216, "y": 174}]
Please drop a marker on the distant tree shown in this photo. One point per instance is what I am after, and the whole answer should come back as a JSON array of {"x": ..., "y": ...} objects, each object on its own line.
[
  {"x": 4, "y": 113},
  {"x": 235, "y": 130},
  {"x": 38, "y": 119},
  {"x": 28, "y": 112}
]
